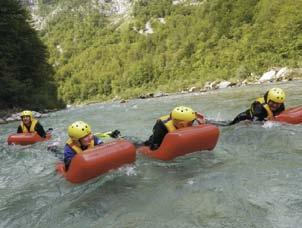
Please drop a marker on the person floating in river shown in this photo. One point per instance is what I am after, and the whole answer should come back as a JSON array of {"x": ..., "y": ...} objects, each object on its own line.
[
  {"x": 30, "y": 125},
  {"x": 180, "y": 117},
  {"x": 80, "y": 139},
  {"x": 264, "y": 108}
]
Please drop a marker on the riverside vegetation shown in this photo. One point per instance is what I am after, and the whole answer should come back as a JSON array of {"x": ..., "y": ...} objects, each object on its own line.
[
  {"x": 26, "y": 78},
  {"x": 95, "y": 56}
]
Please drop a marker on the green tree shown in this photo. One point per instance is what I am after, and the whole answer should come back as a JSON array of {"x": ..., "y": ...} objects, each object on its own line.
[{"x": 25, "y": 76}]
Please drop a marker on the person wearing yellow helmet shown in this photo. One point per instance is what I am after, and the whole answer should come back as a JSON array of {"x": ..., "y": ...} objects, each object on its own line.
[
  {"x": 30, "y": 125},
  {"x": 264, "y": 108},
  {"x": 80, "y": 139},
  {"x": 180, "y": 117}
]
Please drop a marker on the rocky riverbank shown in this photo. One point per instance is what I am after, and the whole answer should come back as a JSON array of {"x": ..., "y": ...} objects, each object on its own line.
[
  {"x": 273, "y": 75},
  {"x": 8, "y": 117}
]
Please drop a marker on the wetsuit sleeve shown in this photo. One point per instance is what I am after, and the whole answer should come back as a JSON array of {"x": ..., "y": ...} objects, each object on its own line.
[
  {"x": 19, "y": 129},
  {"x": 97, "y": 141},
  {"x": 242, "y": 116},
  {"x": 258, "y": 111},
  {"x": 68, "y": 155},
  {"x": 159, "y": 132},
  {"x": 40, "y": 130}
]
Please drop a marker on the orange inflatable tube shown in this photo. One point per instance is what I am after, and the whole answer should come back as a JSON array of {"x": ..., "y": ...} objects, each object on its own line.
[
  {"x": 26, "y": 138},
  {"x": 98, "y": 160},
  {"x": 291, "y": 116},
  {"x": 184, "y": 141}
]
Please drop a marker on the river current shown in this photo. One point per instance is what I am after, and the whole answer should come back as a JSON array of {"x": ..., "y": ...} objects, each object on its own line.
[{"x": 253, "y": 178}]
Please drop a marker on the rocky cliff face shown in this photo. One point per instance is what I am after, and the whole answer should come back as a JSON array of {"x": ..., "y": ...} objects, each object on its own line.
[
  {"x": 115, "y": 7},
  {"x": 42, "y": 13}
]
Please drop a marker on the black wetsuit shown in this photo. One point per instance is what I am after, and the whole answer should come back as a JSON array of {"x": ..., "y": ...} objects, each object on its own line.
[
  {"x": 38, "y": 128},
  {"x": 256, "y": 113},
  {"x": 159, "y": 132}
]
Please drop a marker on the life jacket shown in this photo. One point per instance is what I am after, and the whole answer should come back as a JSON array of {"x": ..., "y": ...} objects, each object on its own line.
[
  {"x": 32, "y": 126},
  {"x": 168, "y": 122},
  {"x": 261, "y": 100},
  {"x": 77, "y": 148}
]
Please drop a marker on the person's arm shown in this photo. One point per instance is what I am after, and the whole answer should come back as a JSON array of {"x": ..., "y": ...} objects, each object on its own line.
[
  {"x": 258, "y": 111},
  {"x": 97, "y": 141},
  {"x": 241, "y": 117},
  {"x": 109, "y": 135},
  {"x": 68, "y": 155},
  {"x": 40, "y": 130},
  {"x": 159, "y": 132},
  {"x": 19, "y": 129}
]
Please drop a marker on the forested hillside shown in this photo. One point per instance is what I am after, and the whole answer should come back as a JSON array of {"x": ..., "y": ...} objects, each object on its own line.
[
  {"x": 26, "y": 79},
  {"x": 98, "y": 56}
]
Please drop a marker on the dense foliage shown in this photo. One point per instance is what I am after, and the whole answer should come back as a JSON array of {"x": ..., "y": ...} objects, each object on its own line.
[
  {"x": 25, "y": 76},
  {"x": 97, "y": 56}
]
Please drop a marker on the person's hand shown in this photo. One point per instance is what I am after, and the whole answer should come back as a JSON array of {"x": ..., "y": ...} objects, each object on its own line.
[
  {"x": 271, "y": 118},
  {"x": 49, "y": 130},
  {"x": 200, "y": 118},
  {"x": 115, "y": 134}
]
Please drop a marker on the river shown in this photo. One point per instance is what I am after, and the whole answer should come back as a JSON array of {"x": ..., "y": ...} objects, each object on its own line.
[{"x": 253, "y": 178}]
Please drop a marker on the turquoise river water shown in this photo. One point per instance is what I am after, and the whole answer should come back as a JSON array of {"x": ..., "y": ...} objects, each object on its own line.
[{"x": 253, "y": 178}]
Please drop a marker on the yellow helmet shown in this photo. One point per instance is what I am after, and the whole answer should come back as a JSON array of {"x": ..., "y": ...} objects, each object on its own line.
[
  {"x": 276, "y": 95},
  {"x": 183, "y": 113},
  {"x": 78, "y": 130},
  {"x": 27, "y": 113}
]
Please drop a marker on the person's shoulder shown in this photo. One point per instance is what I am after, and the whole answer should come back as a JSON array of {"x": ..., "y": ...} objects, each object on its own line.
[
  {"x": 256, "y": 102},
  {"x": 159, "y": 124},
  {"x": 258, "y": 105}
]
